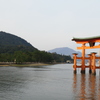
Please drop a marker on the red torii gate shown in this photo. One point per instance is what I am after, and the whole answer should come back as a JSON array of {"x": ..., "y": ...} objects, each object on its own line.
[{"x": 92, "y": 66}]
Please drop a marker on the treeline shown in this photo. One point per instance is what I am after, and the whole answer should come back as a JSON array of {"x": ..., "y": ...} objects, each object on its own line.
[{"x": 36, "y": 56}]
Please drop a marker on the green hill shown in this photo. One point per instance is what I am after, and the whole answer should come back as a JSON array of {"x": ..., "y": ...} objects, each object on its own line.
[
  {"x": 10, "y": 43},
  {"x": 15, "y": 49}
]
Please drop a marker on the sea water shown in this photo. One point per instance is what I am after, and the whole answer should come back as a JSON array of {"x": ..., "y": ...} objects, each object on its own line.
[{"x": 53, "y": 82}]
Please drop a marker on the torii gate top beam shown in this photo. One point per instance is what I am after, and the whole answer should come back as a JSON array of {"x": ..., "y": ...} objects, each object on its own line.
[
  {"x": 87, "y": 40},
  {"x": 90, "y": 40}
]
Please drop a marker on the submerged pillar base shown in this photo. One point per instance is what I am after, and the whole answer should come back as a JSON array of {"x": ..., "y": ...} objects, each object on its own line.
[
  {"x": 93, "y": 72},
  {"x": 82, "y": 71},
  {"x": 90, "y": 71},
  {"x": 75, "y": 71}
]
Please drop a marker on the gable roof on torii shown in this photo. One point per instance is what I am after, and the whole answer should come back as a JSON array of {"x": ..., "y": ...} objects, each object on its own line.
[
  {"x": 90, "y": 40},
  {"x": 87, "y": 39}
]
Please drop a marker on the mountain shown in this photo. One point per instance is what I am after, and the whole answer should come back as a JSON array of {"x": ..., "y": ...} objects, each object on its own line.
[
  {"x": 64, "y": 51},
  {"x": 10, "y": 43}
]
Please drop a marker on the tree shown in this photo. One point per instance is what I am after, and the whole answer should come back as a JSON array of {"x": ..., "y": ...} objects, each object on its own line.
[{"x": 19, "y": 56}]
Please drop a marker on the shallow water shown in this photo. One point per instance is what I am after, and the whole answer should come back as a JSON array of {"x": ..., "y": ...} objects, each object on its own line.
[{"x": 54, "y": 82}]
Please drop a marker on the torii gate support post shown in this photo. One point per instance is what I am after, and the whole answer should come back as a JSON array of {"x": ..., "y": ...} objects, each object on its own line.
[
  {"x": 90, "y": 60},
  {"x": 75, "y": 62},
  {"x": 93, "y": 64},
  {"x": 83, "y": 59}
]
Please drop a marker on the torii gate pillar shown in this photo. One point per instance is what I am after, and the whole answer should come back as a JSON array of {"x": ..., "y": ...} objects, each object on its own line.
[
  {"x": 83, "y": 59},
  {"x": 75, "y": 62},
  {"x": 93, "y": 63},
  {"x": 90, "y": 63}
]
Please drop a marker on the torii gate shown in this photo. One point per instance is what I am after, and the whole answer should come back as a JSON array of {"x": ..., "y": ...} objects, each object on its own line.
[{"x": 91, "y": 40}]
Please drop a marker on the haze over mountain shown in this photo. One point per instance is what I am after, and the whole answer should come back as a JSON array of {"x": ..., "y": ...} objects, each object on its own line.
[
  {"x": 64, "y": 51},
  {"x": 10, "y": 43}
]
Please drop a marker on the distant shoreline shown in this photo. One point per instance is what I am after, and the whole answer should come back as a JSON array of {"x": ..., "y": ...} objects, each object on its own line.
[
  {"x": 24, "y": 65},
  {"x": 27, "y": 64}
]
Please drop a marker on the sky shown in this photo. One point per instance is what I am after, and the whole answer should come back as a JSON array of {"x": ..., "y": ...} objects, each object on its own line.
[{"x": 49, "y": 24}]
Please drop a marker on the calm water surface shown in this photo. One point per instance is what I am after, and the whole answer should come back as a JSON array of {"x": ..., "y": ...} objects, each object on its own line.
[{"x": 54, "y": 82}]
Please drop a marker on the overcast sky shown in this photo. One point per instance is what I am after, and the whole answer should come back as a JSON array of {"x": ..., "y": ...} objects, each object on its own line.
[{"x": 49, "y": 24}]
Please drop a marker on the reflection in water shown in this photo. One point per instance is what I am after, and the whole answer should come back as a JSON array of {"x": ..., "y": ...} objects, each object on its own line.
[{"x": 86, "y": 87}]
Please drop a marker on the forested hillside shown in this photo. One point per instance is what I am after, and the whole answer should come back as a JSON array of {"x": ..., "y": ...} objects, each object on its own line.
[
  {"x": 10, "y": 43},
  {"x": 12, "y": 40},
  {"x": 18, "y": 50},
  {"x": 36, "y": 56}
]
